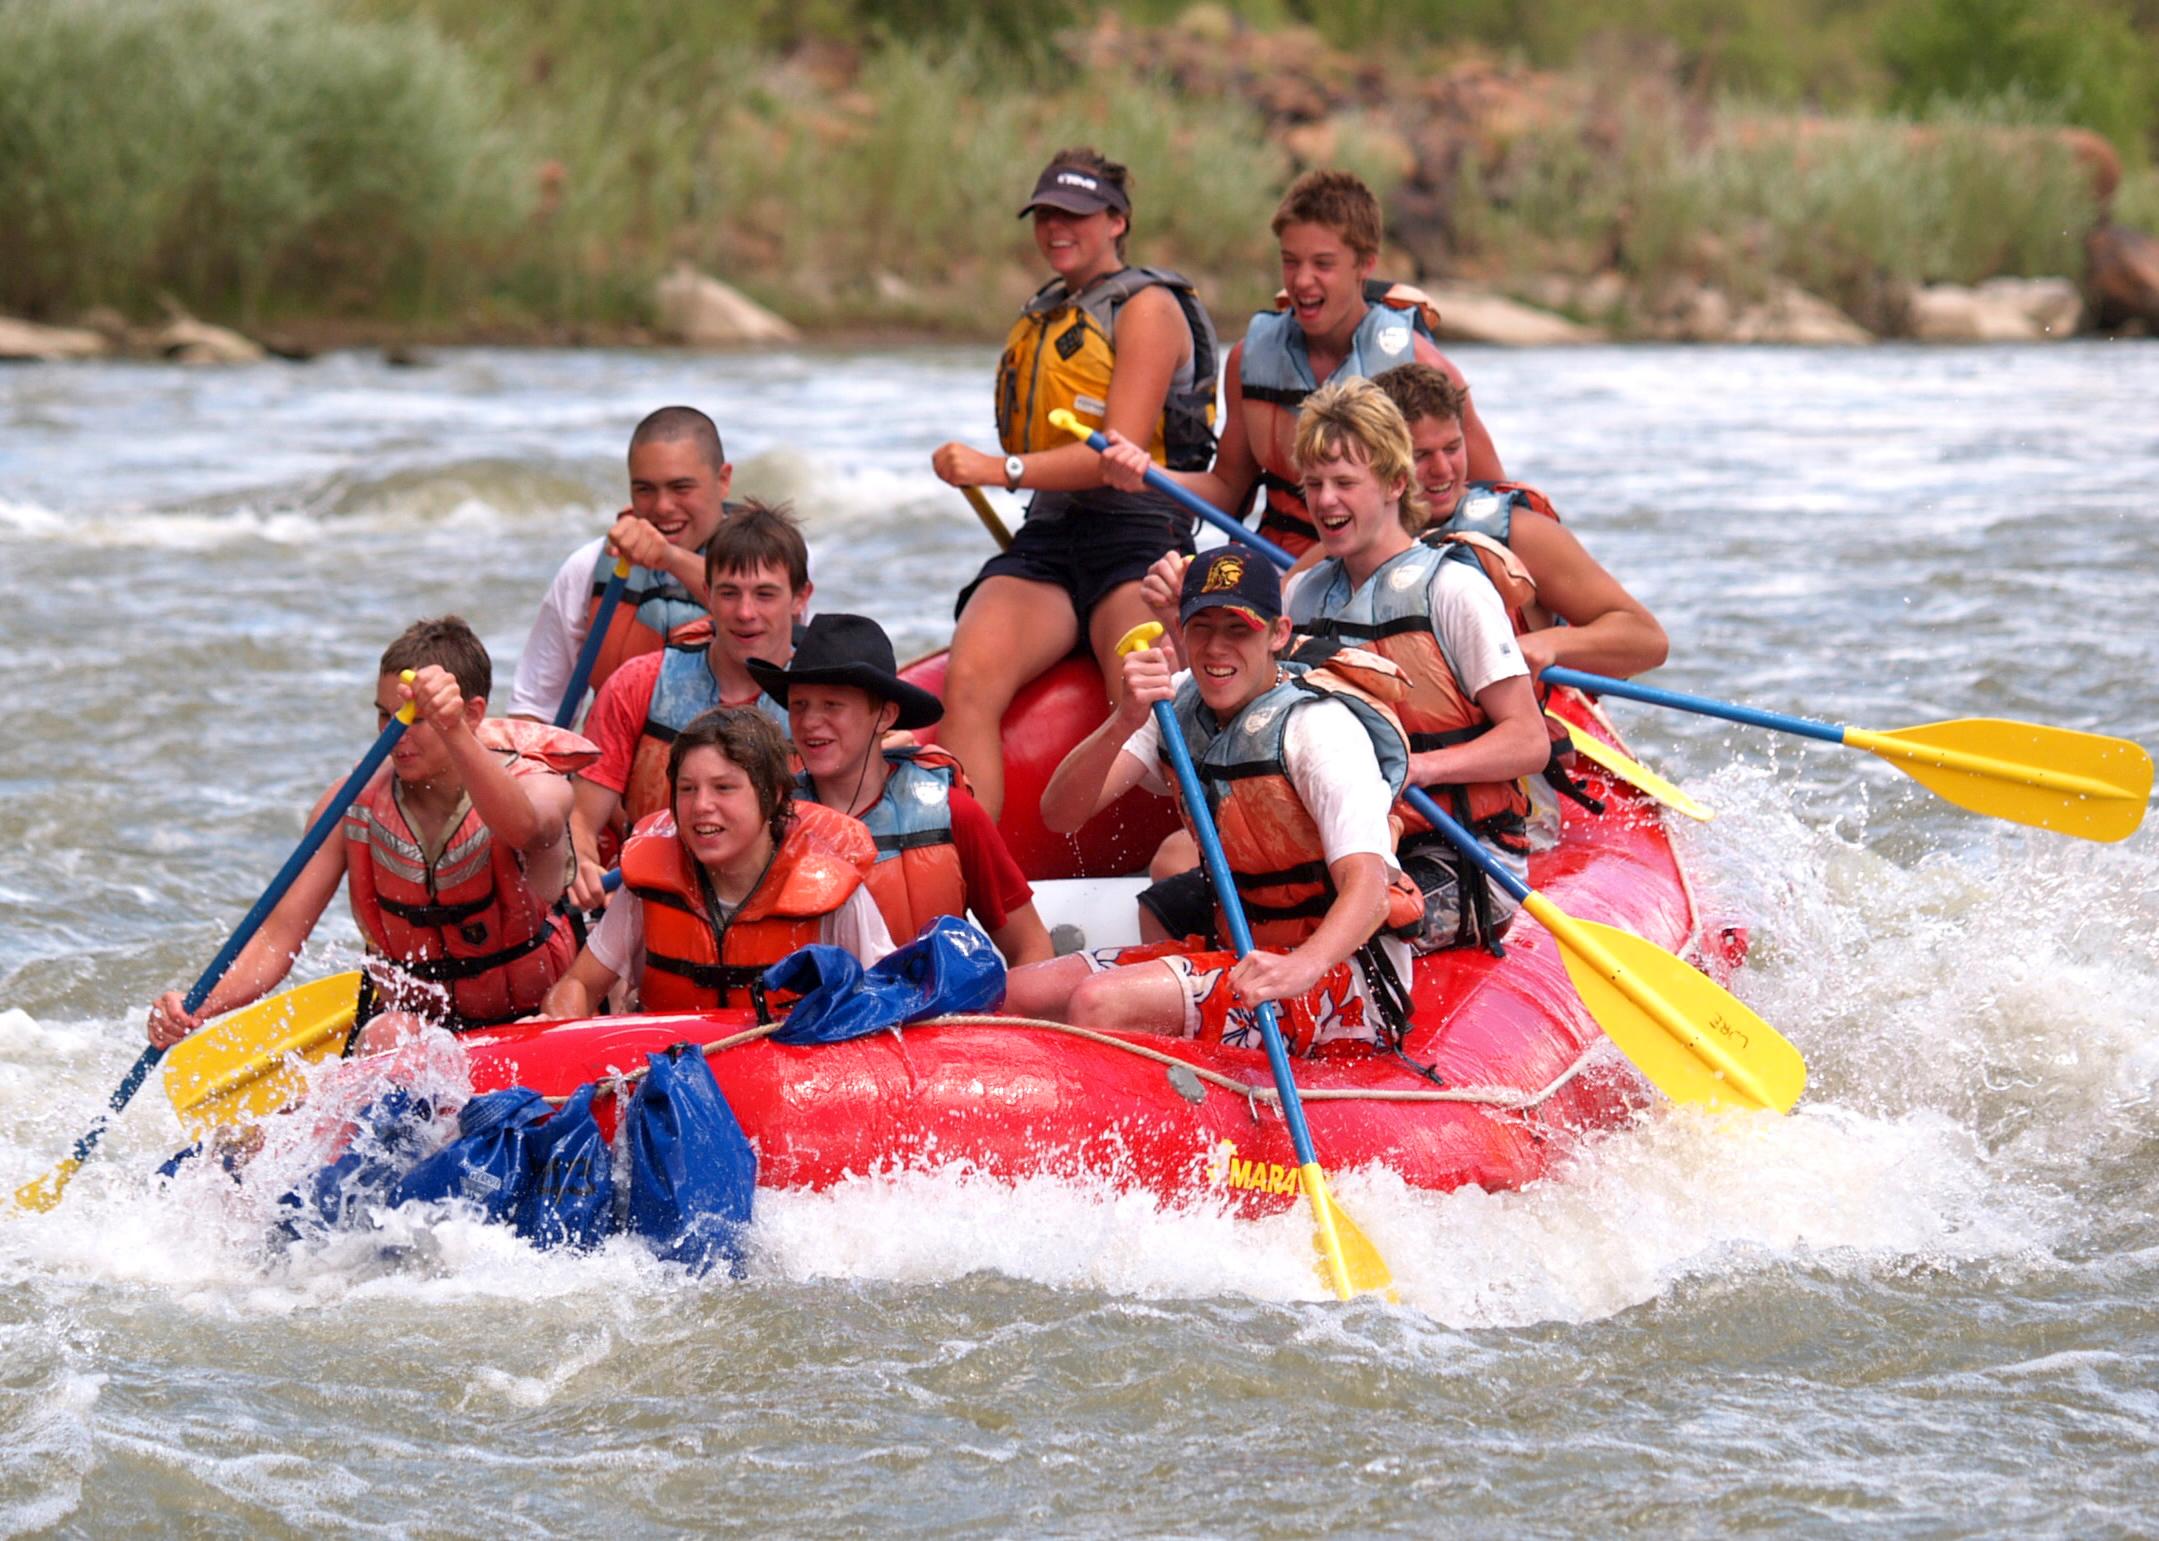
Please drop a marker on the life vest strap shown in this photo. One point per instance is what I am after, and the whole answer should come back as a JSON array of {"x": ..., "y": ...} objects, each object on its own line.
[
  {"x": 442, "y": 971},
  {"x": 706, "y": 976},
  {"x": 434, "y": 917},
  {"x": 667, "y": 897},
  {"x": 1420, "y": 743},
  {"x": 913, "y": 840},
  {"x": 1290, "y": 396}
]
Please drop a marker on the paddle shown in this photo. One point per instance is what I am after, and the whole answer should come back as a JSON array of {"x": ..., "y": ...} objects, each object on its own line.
[
  {"x": 248, "y": 1065},
  {"x": 595, "y": 634},
  {"x": 44, "y": 1192},
  {"x": 1693, "y": 1039},
  {"x": 1591, "y": 747},
  {"x": 2082, "y": 784},
  {"x": 1604, "y": 754},
  {"x": 1351, "y": 1264},
  {"x": 1229, "y": 524},
  {"x": 988, "y": 516}
]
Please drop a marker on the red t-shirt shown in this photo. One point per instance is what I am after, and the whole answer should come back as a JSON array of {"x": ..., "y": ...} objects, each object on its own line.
[
  {"x": 995, "y": 885},
  {"x": 617, "y": 720}
]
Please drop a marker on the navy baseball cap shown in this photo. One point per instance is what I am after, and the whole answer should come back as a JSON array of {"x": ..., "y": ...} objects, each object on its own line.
[
  {"x": 1076, "y": 190},
  {"x": 1235, "y": 577}
]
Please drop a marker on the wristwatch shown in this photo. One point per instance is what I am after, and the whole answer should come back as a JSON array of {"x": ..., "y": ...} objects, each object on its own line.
[{"x": 1015, "y": 468}]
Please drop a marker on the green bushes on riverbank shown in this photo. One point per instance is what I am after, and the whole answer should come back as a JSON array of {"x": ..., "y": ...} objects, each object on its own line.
[
  {"x": 235, "y": 153},
  {"x": 470, "y": 168}
]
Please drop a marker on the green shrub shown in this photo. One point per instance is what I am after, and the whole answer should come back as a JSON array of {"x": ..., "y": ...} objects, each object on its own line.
[
  {"x": 226, "y": 150},
  {"x": 2085, "y": 59}
]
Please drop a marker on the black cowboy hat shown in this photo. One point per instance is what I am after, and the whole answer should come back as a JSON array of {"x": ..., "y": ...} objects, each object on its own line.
[{"x": 853, "y": 650}]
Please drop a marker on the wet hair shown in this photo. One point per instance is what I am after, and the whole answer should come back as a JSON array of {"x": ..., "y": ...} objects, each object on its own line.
[
  {"x": 1354, "y": 419},
  {"x": 755, "y": 535},
  {"x": 752, "y": 741},
  {"x": 1423, "y": 390},
  {"x": 448, "y": 643},
  {"x": 1085, "y": 157},
  {"x": 1337, "y": 199},
  {"x": 672, "y": 424}
]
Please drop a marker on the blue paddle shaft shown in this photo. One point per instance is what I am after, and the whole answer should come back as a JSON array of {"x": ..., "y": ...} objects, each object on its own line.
[
  {"x": 317, "y": 832},
  {"x": 587, "y": 655},
  {"x": 250, "y": 923},
  {"x": 1240, "y": 934},
  {"x": 1805, "y": 727},
  {"x": 1229, "y": 524}
]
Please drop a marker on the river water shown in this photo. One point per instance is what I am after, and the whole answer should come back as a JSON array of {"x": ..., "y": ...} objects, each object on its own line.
[{"x": 1922, "y": 1303}]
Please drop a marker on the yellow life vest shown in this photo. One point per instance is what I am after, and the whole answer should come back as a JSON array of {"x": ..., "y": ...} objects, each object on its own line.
[{"x": 1060, "y": 353}]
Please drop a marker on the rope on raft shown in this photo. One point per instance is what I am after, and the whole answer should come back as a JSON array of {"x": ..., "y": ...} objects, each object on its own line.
[{"x": 1487, "y": 1096}]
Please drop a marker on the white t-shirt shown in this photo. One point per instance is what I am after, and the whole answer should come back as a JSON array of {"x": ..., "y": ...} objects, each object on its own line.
[
  {"x": 1335, "y": 770},
  {"x": 1469, "y": 621},
  {"x": 618, "y": 941},
  {"x": 558, "y": 631}
]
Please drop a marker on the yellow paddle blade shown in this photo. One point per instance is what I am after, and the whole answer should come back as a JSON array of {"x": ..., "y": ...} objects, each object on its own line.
[
  {"x": 1633, "y": 772},
  {"x": 1348, "y": 1262},
  {"x": 248, "y": 1065},
  {"x": 1693, "y": 1039},
  {"x": 2082, "y": 784},
  {"x": 43, "y": 1193}
]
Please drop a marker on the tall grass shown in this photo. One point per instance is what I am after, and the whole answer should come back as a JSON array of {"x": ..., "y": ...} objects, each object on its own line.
[
  {"x": 1852, "y": 209},
  {"x": 231, "y": 151}
]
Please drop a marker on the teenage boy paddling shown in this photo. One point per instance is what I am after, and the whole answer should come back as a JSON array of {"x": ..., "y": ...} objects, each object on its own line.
[
  {"x": 1301, "y": 766},
  {"x": 679, "y": 478},
  {"x": 757, "y": 572},
  {"x": 1575, "y": 613},
  {"x": 1472, "y": 718},
  {"x": 454, "y": 856},
  {"x": 937, "y": 851}
]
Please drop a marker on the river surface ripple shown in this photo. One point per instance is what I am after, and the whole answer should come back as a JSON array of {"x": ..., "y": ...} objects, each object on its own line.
[{"x": 1922, "y": 1304}]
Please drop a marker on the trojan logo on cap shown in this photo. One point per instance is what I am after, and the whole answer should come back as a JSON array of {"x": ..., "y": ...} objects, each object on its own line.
[
  {"x": 1235, "y": 577},
  {"x": 1224, "y": 572}
]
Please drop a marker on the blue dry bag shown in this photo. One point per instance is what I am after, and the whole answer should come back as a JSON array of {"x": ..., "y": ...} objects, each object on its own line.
[
  {"x": 692, "y": 1173},
  {"x": 489, "y": 1165},
  {"x": 571, "y": 1195},
  {"x": 391, "y": 1134},
  {"x": 950, "y": 967}
]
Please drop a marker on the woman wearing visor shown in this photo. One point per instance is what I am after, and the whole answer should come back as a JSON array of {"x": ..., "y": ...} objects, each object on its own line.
[{"x": 1120, "y": 347}]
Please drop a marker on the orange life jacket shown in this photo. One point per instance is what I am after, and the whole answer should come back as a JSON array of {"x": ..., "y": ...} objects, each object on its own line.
[
  {"x": 694, "y": 963},
  {"x": 462, "y": 938},
  {"x": 1269, "y": 838},
  {"x": 1390, "y": 613},
  {"x": 1274, "y": 374},
  {"x": 918, "y": 875}
]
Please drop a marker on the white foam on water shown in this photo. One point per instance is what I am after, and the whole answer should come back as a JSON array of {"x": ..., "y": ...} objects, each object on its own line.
[{"x": 1980, "y": 1026}]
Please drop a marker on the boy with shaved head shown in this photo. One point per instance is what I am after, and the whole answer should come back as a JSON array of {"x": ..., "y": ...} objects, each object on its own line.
[{"x": 679, "y": 478}]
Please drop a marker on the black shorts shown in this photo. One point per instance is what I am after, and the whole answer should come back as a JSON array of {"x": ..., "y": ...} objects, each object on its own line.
[
  {"x": 1183, "y": 902},
  {"x": 1088, "y": 547}
]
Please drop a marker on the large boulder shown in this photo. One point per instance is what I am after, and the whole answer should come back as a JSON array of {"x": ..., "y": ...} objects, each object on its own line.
[
  {"x": 697, "y": 309},
  {"x": 28, "y": 342},
  {"x": 185, "y": 340},
  {"x": 1792, "y": 316},
  {"x": 2123, "y": 276},
  {"x": 1477, "y": 315},
  {"x": 1999, "y": 310}
]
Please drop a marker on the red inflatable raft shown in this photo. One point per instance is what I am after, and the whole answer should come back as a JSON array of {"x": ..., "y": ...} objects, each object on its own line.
[{"x": 1523, "y": 1064}]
